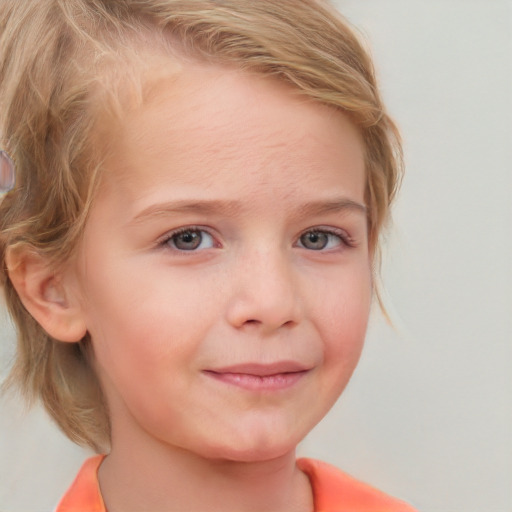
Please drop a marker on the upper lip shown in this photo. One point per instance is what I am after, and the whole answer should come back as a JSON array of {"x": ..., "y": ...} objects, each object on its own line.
[{"x": 262, "y": 370}]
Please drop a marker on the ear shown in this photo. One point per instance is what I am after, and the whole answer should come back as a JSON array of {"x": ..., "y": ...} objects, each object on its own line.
[{"x": 46, "y": 295}]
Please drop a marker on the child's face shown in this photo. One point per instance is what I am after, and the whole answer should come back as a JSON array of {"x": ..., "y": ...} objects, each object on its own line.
[{"x": 224, "y": 273}]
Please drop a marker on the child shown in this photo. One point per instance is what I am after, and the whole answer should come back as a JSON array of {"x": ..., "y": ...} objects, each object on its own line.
[{"x": 189, "y": 249}]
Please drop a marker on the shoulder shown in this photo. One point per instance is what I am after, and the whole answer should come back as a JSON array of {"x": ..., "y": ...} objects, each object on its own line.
[
  {"x": 333, "y": 491},
  {"x": 84, "y": 493},
  {"x": 336, "y": 491}
]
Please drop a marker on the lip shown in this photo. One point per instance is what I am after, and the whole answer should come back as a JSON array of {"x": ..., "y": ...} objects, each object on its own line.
[{"x": 260, "y": 377}]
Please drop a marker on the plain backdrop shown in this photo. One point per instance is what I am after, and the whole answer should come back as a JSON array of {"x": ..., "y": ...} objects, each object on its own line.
[{"x": 428, "y": 414}]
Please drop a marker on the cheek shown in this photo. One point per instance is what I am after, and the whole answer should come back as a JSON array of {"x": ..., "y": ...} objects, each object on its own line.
[
  {"x": 146, "y": 322},
  {"x": 344, "y": 317}
]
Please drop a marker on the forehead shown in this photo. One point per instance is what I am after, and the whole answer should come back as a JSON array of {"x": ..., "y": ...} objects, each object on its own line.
[{"x": 204, "y": 119}]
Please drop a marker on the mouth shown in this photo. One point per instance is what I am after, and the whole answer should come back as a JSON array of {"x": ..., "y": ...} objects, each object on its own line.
[{"x": 258, "y": 377}]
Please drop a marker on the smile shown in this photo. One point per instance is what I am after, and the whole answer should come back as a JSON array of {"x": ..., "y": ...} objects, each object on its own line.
[{"x": 257, "y": 377}]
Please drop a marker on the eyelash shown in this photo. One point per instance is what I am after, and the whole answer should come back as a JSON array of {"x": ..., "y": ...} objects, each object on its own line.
[
  {"x": 171, "y": 237},
  {"x": 344, "y": 239}
]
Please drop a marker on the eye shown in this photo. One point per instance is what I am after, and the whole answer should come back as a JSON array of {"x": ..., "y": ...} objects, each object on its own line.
[
  {"x": 190, "y": 239},
  {"x": 319, "y": 240}
]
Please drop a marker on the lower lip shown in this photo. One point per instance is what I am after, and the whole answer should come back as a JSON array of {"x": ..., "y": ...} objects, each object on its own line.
[{"x": 277, "y": 382}]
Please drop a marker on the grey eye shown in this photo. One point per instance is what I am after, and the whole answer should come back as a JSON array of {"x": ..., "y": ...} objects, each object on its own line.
[
  {"x": 191, "y": 240},
  {"x": 315, "y": 240}
]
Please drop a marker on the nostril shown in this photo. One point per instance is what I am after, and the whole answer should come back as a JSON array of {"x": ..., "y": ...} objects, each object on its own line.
[{"x": 255, "y": 323}]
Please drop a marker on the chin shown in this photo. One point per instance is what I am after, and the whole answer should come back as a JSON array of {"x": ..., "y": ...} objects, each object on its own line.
[
  {"x": 253, "y": 454},
  {"x": 256, "y": 447}
]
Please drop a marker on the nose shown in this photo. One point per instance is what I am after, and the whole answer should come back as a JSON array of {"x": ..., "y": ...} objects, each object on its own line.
[{"x": 264, "y": 293}]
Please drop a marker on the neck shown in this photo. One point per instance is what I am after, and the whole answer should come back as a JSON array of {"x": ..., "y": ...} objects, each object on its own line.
[{"x": 163, "y": 478}]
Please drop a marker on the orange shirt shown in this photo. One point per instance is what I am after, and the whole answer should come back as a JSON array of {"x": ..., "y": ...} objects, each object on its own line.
[{"x": 333, "y": 491}]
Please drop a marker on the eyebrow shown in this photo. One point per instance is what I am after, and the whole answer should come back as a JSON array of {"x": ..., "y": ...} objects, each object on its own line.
[
  {"x": 232, "y": 208},
  {"x": 204, "y": 207},
  {"x": 333, "y": 206}
]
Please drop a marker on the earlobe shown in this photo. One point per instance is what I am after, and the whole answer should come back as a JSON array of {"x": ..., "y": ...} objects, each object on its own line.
[{"x": 45, "y": 295}]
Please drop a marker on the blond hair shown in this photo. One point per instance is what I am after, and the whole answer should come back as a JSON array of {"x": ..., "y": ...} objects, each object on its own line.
[{"x": 62, "y": 66}]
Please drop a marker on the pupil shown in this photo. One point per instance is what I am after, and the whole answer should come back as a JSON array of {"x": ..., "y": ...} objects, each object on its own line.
[
  {"x": 188, "y": 240},
  {"x": 314, "y": 240}
]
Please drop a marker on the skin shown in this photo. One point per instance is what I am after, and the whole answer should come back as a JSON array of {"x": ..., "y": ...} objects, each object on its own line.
[{"x": 220, "y": 347}]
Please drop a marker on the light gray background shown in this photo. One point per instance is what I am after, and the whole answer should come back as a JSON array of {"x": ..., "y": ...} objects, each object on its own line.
[{"x": 428, "y": 414}]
